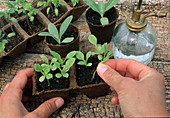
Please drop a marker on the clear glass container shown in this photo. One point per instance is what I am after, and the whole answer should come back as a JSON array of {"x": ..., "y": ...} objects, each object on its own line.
[{"x": 137, "y": 45}]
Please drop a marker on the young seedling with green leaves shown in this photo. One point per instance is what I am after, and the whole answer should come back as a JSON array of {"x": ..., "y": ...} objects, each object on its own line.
[
  {"x": 102, "y": 8},
  {"x": 83, "y": 60},
  {"x": 53, "y": 32},
  {"x": 4, "y": 41},
  {"x": 46, "y": 68},
  {"x": 64, "y": 65},
  {"x": 101, "y": 51},
  {"x": 75, "y": 2},
  {"x": 50, "y": 4}
]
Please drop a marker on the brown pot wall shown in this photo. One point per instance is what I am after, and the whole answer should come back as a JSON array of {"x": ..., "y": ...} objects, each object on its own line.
[
  {"x": 63, "y": 50},
  {"x": 103, "y": 33}
]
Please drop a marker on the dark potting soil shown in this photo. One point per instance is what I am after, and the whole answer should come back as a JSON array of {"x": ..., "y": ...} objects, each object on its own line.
[
  {"x": 32, "y": 28},
  {"x": 3, "y": 23},
  {"x": 55, "y": 83},
  {"x": 68, "y": 33},
  {"x": 12, "y": 42},
  {"x": 85, "y": 74},
  {"x": 94, "y": 17},
  {"x": 51, "y": 16},
  {"x": 71, "y": 4}
]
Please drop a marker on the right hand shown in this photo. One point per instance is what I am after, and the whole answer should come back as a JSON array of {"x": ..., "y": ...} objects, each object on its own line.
[{"x": 140, "y": 89}]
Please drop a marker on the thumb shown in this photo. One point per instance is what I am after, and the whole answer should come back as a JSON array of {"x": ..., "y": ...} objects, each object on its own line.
[
  {"x": 110, "y": 76},
  {"x": 48, "y": 107}
]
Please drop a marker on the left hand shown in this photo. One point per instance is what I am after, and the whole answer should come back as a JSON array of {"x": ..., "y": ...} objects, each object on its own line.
[{"x": 10, "y": 99}]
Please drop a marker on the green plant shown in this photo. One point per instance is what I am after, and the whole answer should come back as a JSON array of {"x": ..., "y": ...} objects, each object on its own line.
[
  {"x": 49, "y": 4},
  {"x": 53, "y": 32},
  {"x": 74, "y": 2},
  {"x": 84, "y": 61},
  {"x": 101, "y": 51},
  {"x": 4, "y": 41},
  {"x": 45, "y": 69},
  {"x": 64, "y": 65},
  {"x": 101, "y": 8}
]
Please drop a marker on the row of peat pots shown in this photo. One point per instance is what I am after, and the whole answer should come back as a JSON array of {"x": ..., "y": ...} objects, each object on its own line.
[{"x": 80, "y": 78}]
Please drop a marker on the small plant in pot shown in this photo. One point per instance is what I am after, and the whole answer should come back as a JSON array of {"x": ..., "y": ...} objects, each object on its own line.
[
  {"x": 53, "y": 9},
  {"x": 63, "y": 36},
  {"x": 101, "y": 19},
  {"x": 87, "y": 78},
  {"x": 52, "y": 77},
  {"x": 78, "y": 7}
]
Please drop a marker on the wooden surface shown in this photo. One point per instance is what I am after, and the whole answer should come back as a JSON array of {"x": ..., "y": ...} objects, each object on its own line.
[{"x": 79, "y": 105}]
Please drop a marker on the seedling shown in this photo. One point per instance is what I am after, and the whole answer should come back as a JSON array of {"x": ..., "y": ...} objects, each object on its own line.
[
  {"x": 84, "y": 61},
  {"x": 53, "y": 32},
  {"x": 4, "y": 41},
  {"x": 101, "y": 8},
  {"x": 101, "y": 51},
  {"x": 64, "y": 65},
  {"x": 49, "y": 4},
  {"x": 74, "y": 2}
]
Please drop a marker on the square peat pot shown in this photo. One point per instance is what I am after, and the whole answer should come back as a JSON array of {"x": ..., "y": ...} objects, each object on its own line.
[
  {"x": 77, "y": 10},
  {"x": 47, "y": 94},
  {"x": 17, "y": 44},
  {"x": 91, "y": 87}
]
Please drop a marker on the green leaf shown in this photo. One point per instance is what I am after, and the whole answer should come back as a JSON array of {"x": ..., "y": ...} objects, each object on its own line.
[
  {"x": 101, "y": 6},
  {"x": 69, "y": 63},
  {"x": 13, "y": 19},
  {"x": 92, "y": 39},
  {"x": 49, "y": 76},
  {"x": 57, "y": 56},
  {"x": 100, "y": 57},
  {"x": 53, "y": 31},
  {"x": 37, "y": 67},
  {"x": 66, "y": 75},
  {"x": 11, "y": 35},
  {"x": 11, "y": 11},
  {"x": 65, "y": 25},
  {"x": 53, "y": 67},
  {"x": 71, "y": 54},
  {"x": 45, "y": 34},
  {"x": 42, "y": 78},
  {"x": 31, "y": 18},
  {"x": 88, "y": 55},
  {"x": 68, "y": 40},
  {"x": 56, "y": 12},
  {"x": 48, "y": 10},
  {"x": 58, "y": 75},
  {"x": 45, "y": 68},
  {"x": 81, "y": 63},
  {"x": 93, "y": 53},
  {"x": 4, "y": 41},
  {"x": 92, "y": 5},
  {"x": 104, "y": 21},
  {"x": 109, "y": 53},
  {"x": 39, "y": 4},
  {"x": 80, "y": 55},
  {"x": 44, "y": 58},
  {"x": 110, "y": 4},
  {"x": 89, "y": 64}
]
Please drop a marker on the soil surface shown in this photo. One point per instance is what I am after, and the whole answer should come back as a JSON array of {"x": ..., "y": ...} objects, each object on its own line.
[
  {"x": 32, "y": 28},
  {"x": 71, "y": 4},
  {"x": 55, "y": 83},
  {"x": 51, "y": 16},
  {"x": 13, "y": 41},
  {"x": 3, "y": 23},
  {"x": 68, "y": 33},
  {"x": 94, "y": 17},
  {"x": 85, "y": 74}
]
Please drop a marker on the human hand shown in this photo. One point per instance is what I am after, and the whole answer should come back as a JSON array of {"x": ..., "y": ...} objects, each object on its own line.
[
  {"x": 140, "y": 89},
  {"x": 10, "y": 100}
]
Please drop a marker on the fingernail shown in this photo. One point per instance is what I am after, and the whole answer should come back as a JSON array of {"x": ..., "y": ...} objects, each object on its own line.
[
  {"x": 59, "y": 102},
  {"x": 6, "y": 86},
  {"x": 101, "y": 68}
]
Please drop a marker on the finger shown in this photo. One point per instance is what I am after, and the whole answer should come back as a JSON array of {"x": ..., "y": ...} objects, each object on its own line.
[
  {"x": 21, "y": 78},
  {"x": 111, "y": 77},
  {"x": 48, "y": 107},
  {"x": 112, "y": 89},
  {"x": 115, "y": 100},
  {"x": 135, "y": 68}
]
